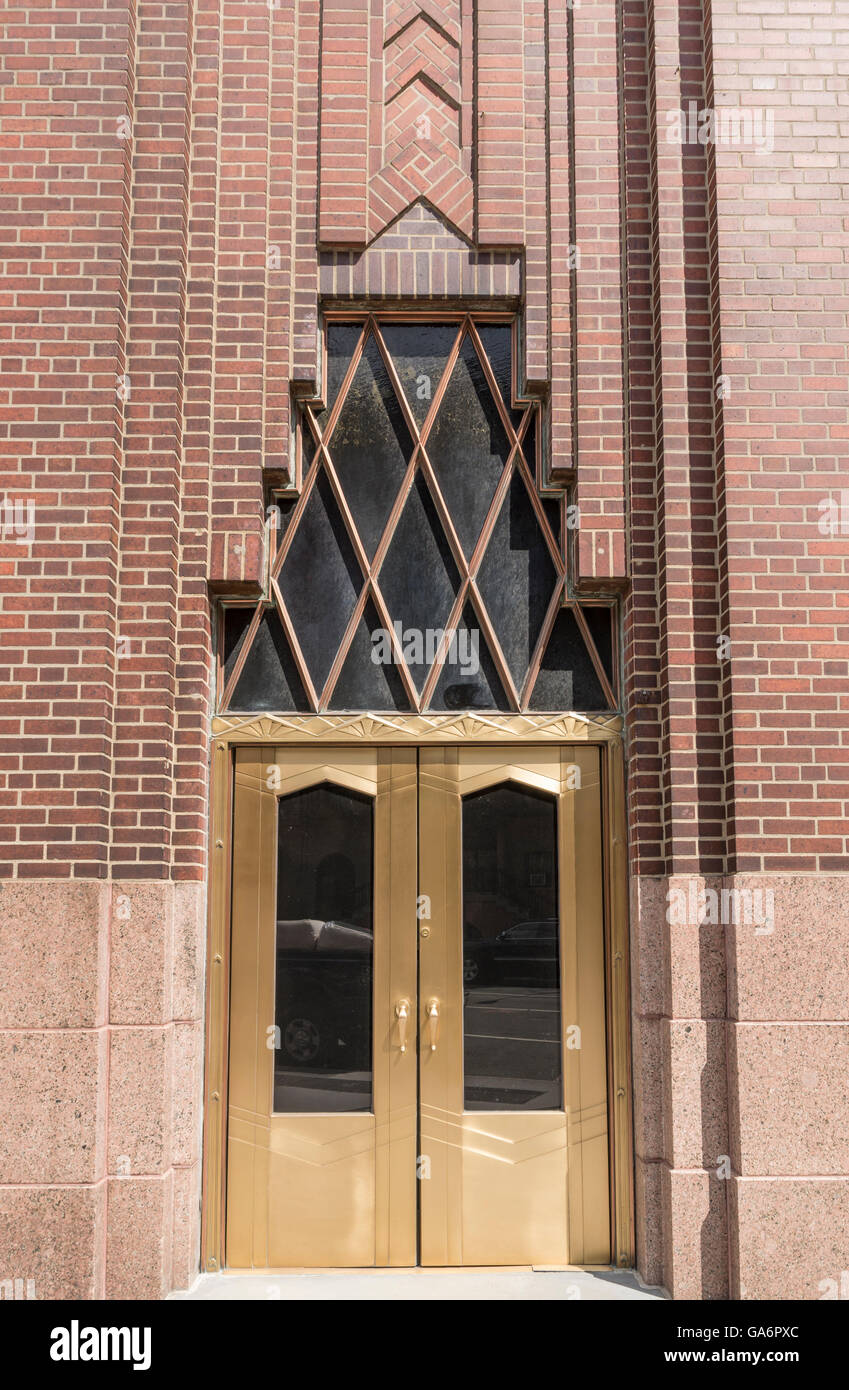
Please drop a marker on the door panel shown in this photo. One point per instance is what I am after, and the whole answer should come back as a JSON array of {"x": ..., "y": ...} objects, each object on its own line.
[
  {"x": 516, "y": 1177},
  {"x": 322, "y": 1137}
]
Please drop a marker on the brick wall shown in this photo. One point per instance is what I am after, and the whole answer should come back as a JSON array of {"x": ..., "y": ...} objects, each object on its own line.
[{"x": 177, "y": 207}]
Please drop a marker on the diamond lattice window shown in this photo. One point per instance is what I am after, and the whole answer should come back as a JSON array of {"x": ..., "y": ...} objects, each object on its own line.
[{"x": 421, "y": 565}]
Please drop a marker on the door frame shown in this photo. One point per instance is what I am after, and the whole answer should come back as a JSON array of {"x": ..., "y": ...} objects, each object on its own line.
[{"x": 604, "y": 731}]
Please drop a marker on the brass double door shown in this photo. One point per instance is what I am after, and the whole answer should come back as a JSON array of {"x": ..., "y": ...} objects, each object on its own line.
[{"x": 417, "y": 1038}]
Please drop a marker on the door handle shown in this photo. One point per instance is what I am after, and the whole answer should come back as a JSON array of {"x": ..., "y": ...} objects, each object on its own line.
[
  {"x": 432, "y": 1012},
  {"x": 402, "y": 1013}
]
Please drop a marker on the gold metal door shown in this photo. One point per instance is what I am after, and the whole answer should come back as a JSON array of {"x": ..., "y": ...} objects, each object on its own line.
[
  {"x": 323, "y": 1184},
  {"x": 467, "y": 1124},
  {"x": 520, "y": 1183}
]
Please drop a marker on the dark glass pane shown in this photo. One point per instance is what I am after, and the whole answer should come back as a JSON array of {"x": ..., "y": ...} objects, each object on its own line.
[
  {"x": 369, "y": 678},
  {"x": 236, "y": 623},
  {"x": 511, "y": 952},
  {"x": 323, "y": 990},
  {"x": 419, "y": 578},
  {"x": 320, "y": 580},
  {"x": 342, "y": 338},
  {"x": 269, "y": 678},
  {"x": 567, "y": 678},
  {"x": 497, "y": 340},
  {"x": 460, "y": 685},
  {"x": 599, "y": 621},
  {"x": 419, "y": 352},
  {"x": 370, "y": 447},
  {"x": 307, "y": 448},
  {"x": 283, "y": 507},
  {"x": 468, "y": 447},
  {"x": 529, "y": 446},
  {"x": 517, "y": 579},
  {"x": 553, "y": 508}
]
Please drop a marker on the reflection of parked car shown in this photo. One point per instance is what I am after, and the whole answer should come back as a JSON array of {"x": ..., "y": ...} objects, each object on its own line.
[
  {"x": 527, "y": 951},
  {"x": 472, "y": 953},
  {"x": 324, "y": 993}
]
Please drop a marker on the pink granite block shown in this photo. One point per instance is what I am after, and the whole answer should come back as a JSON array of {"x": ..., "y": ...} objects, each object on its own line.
[
  {"x": 53, "y": 944},
  {"x": 52, "y": 1108},
  {"x": 140, "y": 964},
  {"x": 189, "y": 949},
  {"x": 186, "y": 1091},
  {"x": 54, "y": 1237},
  {"x": 140, "y": 1062},
  {"x": 647, "y": 1062},
  {"x": 790, "y": 1238},
  {"x": 185, "y": 1261},
  {"x": 648, "y": 1214},
  {"x": 695, "y": 1124},
  {"x": 648, "y": 908},
  {"x": 799, "y": 970},
  {"x": 789, "y": 1108},
  {"x": 695, "y": 1260},
  {"x": 694, "y": 949},
  {"x": 139, "y": 1237}
]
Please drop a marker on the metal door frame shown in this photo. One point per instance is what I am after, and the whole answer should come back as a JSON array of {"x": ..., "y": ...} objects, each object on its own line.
[{"x": 405, "y": 729}]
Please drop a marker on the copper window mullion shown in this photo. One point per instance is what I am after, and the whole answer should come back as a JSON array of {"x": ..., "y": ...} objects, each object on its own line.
[
  {"x": 347, "y": 518},
  {"x": 450, "y": 364},
  {"x": 495, "y": 390},
  {"x": 539, "y": 510},
  {"x": 294, "y": 646},
  {"x": 450, "y": 628},
  {"x": 400, "y": 393},
  {"x": 501, "y": 490},
  {"x": 300, "y": 506},
  {"x": 545, "y": 632},
  {"x": 395, "y": 514},
  {"x": 494, "y": 645},
  {"x": 444, "y": 514},
  {"x": 594, "y": 656},
  {"x": 344, "y": 647},
  {"x": 346, "y": 383},
  {"x": 400, "y": 660},
  {"x": 247, "y": 643}
]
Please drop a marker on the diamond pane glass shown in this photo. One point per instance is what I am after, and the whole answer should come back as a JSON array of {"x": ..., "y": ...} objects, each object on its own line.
[
  {"x": 369, "y": 678},
  {"x": 269, "y": 677},
  {"x": 320, "y": 580},
  {"x": 370, "y": 447},
  {"x": 497, "y": 340},
  {"x": 342, "y": 339},
  {"x": 468, "y": 447},
  {"x": 419, "y": 579},
  {"x": 517, "y": 579},
  {"x": 419, "y": 353},
  {"x": 567, "y": 678},
  {"x": 401, "y": 378},
  {"x": 598, "y": 620},
  {"x": 469, "y": 679}
]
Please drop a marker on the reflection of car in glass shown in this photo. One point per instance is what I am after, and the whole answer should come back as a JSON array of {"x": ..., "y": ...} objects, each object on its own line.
[
  {"x": 526, "y": 951},
  {"x": 324, "y": 994}
]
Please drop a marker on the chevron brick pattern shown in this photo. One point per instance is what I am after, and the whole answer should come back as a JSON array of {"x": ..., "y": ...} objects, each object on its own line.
[{"x": 420, "y": 152}]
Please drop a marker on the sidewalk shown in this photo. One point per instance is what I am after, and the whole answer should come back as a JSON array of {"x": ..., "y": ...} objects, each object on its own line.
[{"x": 424, "y": 1284}]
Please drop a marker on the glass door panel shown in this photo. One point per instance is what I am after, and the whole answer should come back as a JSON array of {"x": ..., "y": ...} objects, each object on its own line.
[
  {"x": 322, "y": 1096},
  {"x": 513, "y": 1089}
]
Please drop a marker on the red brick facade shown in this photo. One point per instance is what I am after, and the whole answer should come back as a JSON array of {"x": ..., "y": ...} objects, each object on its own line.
[{"x": 177, "y": 207}]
